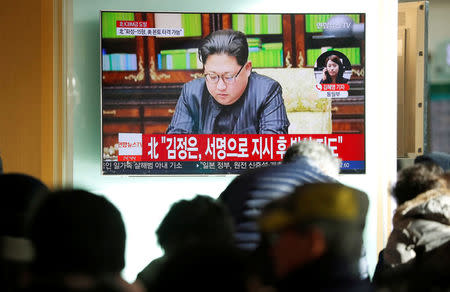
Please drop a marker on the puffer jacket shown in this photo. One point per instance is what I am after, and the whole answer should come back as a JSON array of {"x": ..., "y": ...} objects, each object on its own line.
[{"x": 421, "y": 224}]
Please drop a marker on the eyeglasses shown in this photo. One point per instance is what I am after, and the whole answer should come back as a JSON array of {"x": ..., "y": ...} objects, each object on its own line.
[{"x": 227, "y": 78}]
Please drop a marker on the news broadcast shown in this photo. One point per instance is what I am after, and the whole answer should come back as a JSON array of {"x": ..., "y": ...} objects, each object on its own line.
[{"x": 222, "y": 93}]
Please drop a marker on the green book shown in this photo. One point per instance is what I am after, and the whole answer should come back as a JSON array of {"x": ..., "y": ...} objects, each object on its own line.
[
  {"x": 261, "y": 58},
  {"x": 355, "y": 17},
  {"x": 358, "y": 56},
  {"x": 185, "y": 24},
  {"x": 311, "y": 22},
  {"x": 256, "y": 59},
  {"x": 272, "y": 46},
  {"x": 179, "y": 61},
  {"x": 308, "y": 23},
  {"x": 312, "y": 55},
  {"x": 192, "y": 24},
  {"x": 254, "y": 42},
  {"x": 257, "y": 23},
  {"x": 249, "y": 24},
  {"x": 198, "y": 25},
  {"x": 274, "y": 21},
  {"x": 264, "y": 24},
  {"x": 251, "y": 57},
  {"x": 268, "y": 60},
  {"x": 240, "y": 22},
  {"x": 164, "y": 61},
  {"x": 192, "y": 55},
  {"x": 175, "y": 59},
  {"x": 234, "y": 21}
]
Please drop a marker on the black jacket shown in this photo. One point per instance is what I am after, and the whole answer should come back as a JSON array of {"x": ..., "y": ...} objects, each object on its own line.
[{"x": 260, "y": 109}]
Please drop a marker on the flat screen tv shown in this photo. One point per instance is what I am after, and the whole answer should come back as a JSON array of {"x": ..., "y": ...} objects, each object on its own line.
[{"x": 221, "y": 93}]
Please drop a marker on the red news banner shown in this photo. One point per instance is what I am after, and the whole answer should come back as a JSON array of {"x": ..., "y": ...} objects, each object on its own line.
[{"x": 266, "y": 147}]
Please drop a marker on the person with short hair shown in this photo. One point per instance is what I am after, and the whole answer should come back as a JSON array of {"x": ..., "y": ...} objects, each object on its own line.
[
  {"x": 79, "y": 243},
  {"x": 314, "y": 237},
  {"x": 188, "y": 223},
  {"x": 417, "y": 179},
  {"x": 230, "y": 98},
  {"x": 19, "y": 194}
]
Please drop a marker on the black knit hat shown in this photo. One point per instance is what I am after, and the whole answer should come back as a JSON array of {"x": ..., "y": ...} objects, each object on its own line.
[{"x": 77, "y": 231}]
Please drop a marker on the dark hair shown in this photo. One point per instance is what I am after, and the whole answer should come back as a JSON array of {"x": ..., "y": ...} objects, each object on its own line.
[
  {"x": 417, "y": 179},
  {"x": 440, "y": 158},
  {"x": 189, "y": 222},
  {"x": 21, "y": 191},
  {"x": 77, "y": 231},
  {"x": 337, "y": 60},
  {"x": 230, "y": 42}
]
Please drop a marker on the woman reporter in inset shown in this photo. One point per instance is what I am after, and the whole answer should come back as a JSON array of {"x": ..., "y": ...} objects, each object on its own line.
[{"x": 333, "y": 71}]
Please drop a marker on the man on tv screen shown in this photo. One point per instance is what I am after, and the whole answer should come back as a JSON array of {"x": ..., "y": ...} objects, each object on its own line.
[{"x": 230, "y": 99}]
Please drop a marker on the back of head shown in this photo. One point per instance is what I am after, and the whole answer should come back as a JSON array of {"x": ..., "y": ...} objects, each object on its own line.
[
  {"x": 189, "y": 222},
  {"x": 20, "y": 191},
  {"x": 337, "y": 210},
  {"x": 229, "y": 42},
  {"x": 417, "y": 179},
  {"x": 317, "y": 153},
  {"x": 74, "y": 231},
  {"x": 440, "y": 158}
]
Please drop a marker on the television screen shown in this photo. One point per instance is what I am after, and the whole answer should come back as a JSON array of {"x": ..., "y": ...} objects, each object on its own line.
[{"x": 221, "y": 93}]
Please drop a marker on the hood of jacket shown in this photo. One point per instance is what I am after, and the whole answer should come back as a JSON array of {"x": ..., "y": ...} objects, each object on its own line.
[{"x": 433, "y": 205}]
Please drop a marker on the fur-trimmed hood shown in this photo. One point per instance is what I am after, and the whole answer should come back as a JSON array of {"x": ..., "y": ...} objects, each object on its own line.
[{"x": 432, "y": 205}]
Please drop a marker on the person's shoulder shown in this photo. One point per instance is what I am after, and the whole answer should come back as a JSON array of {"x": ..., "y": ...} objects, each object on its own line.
[
  {"x": 249, "y": 174},
  {"x": 254, "y": 173},
  {"x": 194, "y": 90},
  {"x": 262, "y": 86},
  {"x": 195, "y": 84},
  {"x": 343, "y": 80}
]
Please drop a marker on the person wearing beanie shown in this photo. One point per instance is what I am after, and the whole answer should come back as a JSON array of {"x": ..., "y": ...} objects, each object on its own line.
[{"x": 314, "y": 237}]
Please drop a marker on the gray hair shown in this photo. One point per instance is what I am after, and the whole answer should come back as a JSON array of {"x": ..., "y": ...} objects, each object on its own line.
[{"x": 317, "y": 153}]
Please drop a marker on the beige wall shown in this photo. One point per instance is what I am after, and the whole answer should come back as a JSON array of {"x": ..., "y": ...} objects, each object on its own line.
[{"x": 27, "y": 111}]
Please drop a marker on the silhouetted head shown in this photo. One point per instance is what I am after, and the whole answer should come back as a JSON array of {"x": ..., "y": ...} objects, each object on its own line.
[
  {"x": 318, "y": 154},
  {"x": 417, "y": 179},
  {"x": 195, "y": 221},
  {"x": 75, "y": 231}
]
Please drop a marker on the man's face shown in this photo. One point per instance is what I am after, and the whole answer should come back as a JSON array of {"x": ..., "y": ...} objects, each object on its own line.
[{"x": 226, "y": 90}]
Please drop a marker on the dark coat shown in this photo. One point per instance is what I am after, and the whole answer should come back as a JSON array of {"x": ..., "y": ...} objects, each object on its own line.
[{"x": 260, "y": 110}]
